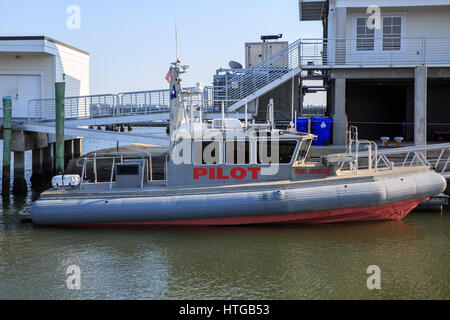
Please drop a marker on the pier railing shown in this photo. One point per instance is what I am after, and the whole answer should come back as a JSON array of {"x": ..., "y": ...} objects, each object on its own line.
[{"x": 112, "y": 105}]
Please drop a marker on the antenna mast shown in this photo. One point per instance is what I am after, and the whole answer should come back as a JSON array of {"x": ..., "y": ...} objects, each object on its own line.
[{"x": 176, "y": 30}]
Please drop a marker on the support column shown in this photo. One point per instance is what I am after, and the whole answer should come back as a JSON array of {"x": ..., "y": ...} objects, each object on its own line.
[
  {"x": 420, "y": 105},
  {"x": 20, "y": 184},
  {"x": 7, "y": 134},
  {"x": 341, "y": 34},
  {"x": 68, "y": 152},
  {"x": 38, "y": 167},
  {"x": 59, "y": 152},
  {"x": 77, "y": 148},
  {"x": 339, "y": 115},
  {"x": 48, "y": 158}
]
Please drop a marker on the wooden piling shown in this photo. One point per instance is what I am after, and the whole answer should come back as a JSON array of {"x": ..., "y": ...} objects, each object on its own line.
[
  {"x": 47, "y": 160},
  {"x": 59, "y": 152},
  {"x": 20, "y": 184},
  {"x": 7, "y": 124},
  {"x": 38, "y": 167}
]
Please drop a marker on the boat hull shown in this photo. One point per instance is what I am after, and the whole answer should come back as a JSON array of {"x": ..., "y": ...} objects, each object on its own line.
[
  {"x": 385, "y": 199},
  {"x": 393, "y": 211}
]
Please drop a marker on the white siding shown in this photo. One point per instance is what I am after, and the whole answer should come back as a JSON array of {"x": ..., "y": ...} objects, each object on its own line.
[
  {"x": 425, "y": 33},
  {"x": 428, "y": 21},
  {"x": 389, "y": 3},
  {"x": 31, "y": 64},
  {"x": 37, "y": 63},
  {"x": 50, "y": 60},
  {"x": 75, "y": 66},
  {"x": 425, "y": 21}
]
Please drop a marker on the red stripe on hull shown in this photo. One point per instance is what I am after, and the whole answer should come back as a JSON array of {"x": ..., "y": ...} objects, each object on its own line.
[{"x": 392, "y": 211}]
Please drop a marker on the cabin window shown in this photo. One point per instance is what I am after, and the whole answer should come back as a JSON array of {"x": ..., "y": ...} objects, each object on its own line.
[
  {"x": 206, "y": 152},
  {"x": 286, "y": 151},
  {"x": 365, "y": 37},
  {"x": 237, "y": 152},
  {"x": 304, "y": 150},
  {"x": 392, "y": 32}
]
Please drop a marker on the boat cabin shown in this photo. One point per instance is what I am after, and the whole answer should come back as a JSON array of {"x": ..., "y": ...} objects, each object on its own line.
[{"x": 229, "y": 152}]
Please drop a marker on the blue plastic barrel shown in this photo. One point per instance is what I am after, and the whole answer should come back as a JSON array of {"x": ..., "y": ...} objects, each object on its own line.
[
  {"x": 321, "y": 127},
  {"x": 302, "y": 125}
]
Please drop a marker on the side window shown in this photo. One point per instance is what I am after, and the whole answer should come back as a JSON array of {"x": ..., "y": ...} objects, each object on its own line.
[
  {"x": 237, "y": 152},
  {"x": 286, "y": 151},
  {"x": 206, "y": 152},
  {"x": 392, "y": 33},
  {"x": 304, "y": 150},
  {"x": 365, "y": 37}
]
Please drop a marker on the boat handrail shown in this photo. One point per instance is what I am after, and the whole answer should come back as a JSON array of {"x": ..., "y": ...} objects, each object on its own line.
[
  {"x": 145, "y": 157},
  {"x": 200, "y": 102},
  {"x": 415, "y": 156}
]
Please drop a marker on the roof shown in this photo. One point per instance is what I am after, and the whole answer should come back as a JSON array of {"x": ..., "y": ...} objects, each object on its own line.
[
  {"x": 312, "y": 10},
  {"x": 31, "y": 38},
  {"x": 388, "y": 3}
]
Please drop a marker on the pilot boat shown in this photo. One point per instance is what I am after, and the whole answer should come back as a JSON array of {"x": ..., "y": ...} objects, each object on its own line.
[{"x": 228, "y": 172}]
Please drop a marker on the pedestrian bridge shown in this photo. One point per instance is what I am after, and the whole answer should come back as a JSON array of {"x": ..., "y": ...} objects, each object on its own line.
[{"x": 141, "y": 107}]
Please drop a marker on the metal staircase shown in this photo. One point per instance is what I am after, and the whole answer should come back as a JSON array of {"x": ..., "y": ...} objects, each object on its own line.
[{"x": 265, "y": 76}]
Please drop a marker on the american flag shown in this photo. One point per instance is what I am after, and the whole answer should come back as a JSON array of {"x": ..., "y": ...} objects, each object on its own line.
[{"x": 169, "y": 75}]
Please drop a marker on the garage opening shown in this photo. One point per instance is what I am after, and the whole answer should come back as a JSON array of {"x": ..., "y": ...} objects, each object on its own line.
[{"x": 381, "y": 108}]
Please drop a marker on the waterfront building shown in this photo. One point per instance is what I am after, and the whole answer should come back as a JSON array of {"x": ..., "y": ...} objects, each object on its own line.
[
  {"x": 385, "y": 64},
  {"x": 30, "y": 66}
]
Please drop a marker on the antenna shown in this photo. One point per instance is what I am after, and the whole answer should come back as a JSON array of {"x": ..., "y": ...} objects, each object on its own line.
[
  {"x": 176, "y": 30},
  {"x": 235, "y": 65}
]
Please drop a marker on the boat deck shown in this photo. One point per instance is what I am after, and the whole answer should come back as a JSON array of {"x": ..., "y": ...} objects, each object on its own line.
[{"x": 159, "y": 188}]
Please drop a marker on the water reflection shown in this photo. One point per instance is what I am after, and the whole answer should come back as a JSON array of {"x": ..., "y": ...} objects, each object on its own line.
[{"x": 231, "y": 263}]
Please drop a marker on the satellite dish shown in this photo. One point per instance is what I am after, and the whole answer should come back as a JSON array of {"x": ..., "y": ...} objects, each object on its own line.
[
  {"x": 198, "y": 89},
  {"x": 235, "y": 65}
]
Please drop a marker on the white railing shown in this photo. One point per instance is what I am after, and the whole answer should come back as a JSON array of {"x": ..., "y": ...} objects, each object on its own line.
[
  {"x": 362, "y": 52},
  {"x": 145, "y": 157},
  {"x": 435, "y": 156},
  {"x": 111, "y": 105},
  {"x": 194, "y": 110},
  {"x": 74, "y": 107}
]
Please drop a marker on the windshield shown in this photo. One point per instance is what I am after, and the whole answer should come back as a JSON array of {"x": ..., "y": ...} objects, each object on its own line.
[{"x": 304, "y": 150}]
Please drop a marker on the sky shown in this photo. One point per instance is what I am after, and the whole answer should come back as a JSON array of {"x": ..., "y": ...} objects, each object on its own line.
[{"x": 132, "y": 43}]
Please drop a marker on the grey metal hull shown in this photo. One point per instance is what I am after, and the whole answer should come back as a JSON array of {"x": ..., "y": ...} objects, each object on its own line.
[{"x": 277, "y": 201}]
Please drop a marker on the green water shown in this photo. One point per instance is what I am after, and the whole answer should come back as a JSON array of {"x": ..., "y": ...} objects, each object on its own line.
[{"x": 291, "y": 262}]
